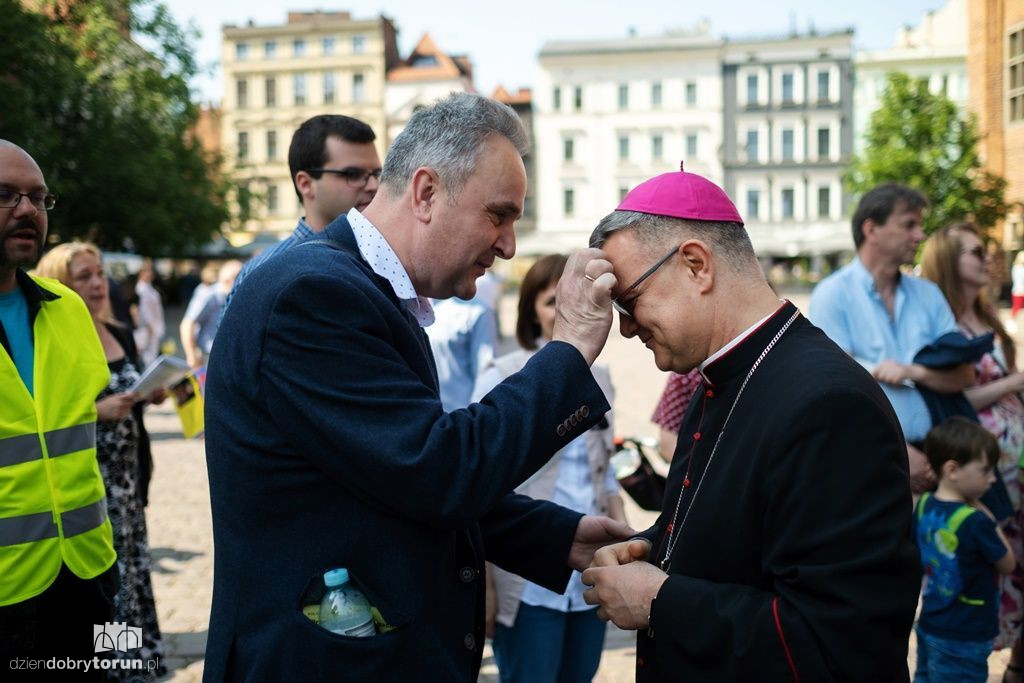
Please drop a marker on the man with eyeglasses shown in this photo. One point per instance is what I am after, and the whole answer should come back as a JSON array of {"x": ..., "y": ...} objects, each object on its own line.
[
  {"x": 783, "y": 550},
  {"x": 883, "y": 317},
  {"x": 58, "y": 575},
  {"x": 335, "y": 169},
  {"x": 328, "y": 445}
]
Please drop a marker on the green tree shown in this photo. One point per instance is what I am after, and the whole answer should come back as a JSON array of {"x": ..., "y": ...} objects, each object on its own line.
[
  {"x": 919, "y": 138},
  {"x": 98, "y": 92}
]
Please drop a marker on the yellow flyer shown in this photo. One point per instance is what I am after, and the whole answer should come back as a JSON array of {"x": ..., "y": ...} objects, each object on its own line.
[{"x": 188, "y": 401}]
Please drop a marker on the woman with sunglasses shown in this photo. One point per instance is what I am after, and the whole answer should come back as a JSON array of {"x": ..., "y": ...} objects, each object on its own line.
[
  {"x": 955, "y": 259},
  {"x": 541, "y": 635}
]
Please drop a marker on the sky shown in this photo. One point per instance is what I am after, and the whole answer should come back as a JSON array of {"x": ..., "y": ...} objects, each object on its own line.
[{"x": 503, "y": 39}]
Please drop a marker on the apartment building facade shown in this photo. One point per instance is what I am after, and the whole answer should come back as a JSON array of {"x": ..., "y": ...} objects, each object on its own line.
[
  {"x": 276, "y": 77},
  {"x": 787, "y": 139}
]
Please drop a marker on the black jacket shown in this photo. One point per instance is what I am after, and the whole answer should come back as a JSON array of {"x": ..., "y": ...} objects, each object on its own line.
[{"x": 796, "y": 559}]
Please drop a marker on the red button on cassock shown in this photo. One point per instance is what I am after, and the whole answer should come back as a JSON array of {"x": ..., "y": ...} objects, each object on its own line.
[
  {"x": 696, "y": 436},
  {"x": 709, "y": 393}
]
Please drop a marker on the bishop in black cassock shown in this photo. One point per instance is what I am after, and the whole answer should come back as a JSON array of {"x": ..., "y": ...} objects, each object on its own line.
[{"x": 783, "y": 550}]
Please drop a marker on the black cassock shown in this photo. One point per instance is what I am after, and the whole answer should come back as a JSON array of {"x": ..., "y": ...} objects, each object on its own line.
[{"x": 795, "y": 560}]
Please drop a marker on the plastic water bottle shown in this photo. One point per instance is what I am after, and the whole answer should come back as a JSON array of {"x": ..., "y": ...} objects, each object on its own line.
[{"x": 344, "y": 609}]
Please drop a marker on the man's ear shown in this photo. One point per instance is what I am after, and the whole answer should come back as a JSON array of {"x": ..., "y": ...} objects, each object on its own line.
[
  {"x": 426, "y": 192},
  {"x": 304, "y": 183},
  {"x": 868, "y": 227},
  {"x": 697, "y": 259}
]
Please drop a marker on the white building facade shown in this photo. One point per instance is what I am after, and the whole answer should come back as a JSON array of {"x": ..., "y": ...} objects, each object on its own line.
[
  {"x": 935, "y": 50},
  {"x": 608, "y": 115}
]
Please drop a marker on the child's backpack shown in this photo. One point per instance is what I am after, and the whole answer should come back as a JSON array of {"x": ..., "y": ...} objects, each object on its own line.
[{"x": 937, "y": 540}]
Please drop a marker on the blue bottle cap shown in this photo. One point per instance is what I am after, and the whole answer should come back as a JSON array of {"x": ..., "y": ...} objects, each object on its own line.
[{"x": 336, "y": 577}]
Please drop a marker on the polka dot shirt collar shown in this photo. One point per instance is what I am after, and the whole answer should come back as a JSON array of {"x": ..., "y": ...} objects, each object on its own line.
[{"x": 376, "y": 251}]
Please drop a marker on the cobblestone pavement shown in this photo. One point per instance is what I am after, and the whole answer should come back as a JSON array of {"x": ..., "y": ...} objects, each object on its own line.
[{"x": 180, "y": 533}]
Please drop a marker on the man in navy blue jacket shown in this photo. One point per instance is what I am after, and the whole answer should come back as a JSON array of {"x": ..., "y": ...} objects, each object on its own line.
[{"x": 327, "y": 444}]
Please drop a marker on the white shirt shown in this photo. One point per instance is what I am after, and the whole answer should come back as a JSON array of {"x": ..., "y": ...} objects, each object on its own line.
[{"x": 376, "y": 251}]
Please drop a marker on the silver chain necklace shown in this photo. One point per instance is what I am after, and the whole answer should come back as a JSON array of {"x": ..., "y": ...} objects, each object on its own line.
[{"x": 676, "y": 532}]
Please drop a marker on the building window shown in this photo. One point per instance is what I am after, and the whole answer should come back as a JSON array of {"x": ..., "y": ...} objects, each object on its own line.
[
  {"x": 657, "y": 147},
  {"x": 241, "y": 94},
  {"x": 358, "y": 88},
  {"x": 823, "y": 143},
  {"x": 298, "y": 47},
  {"x": 753, "y": 204},
  {"x": 556, "y": 96},
  {"x": 577, "y": 98},
  {"x": 328, "y": 45},
  {"x": 568, "y": 202},
  {"x": 691, "y": 145},
  {"x": 358, "y": 44},
  {"x": 787, "y": 202},
  {"x": 624, "y": 96},
  {"x": 787, "y": 144},
  {"x": 787, "y": 87},
  {"x": 272, "y": 198},
  {"x": 270, "y": 49},
  {"x": 824, "y": 201},
  {"x": 823, "y": 78},
  {"x": 241, "y": 51},
  {"x": 568, "y": 149},
  {"x": 1015, "y": 77},
  {"x": 691, "y": 93},
  {"x": 752, "y": 147},
  {"x": 656, "y": 95},
  {"x": 299, "y": 88},
  {"x": 623, "y": 191},
  {"x": 752, "y": 98},
  {"x": 271, "y": 145},
  {"x": 243, "y": 146},
  {"x": 329, "y": 88},
  {"x": 270, "y": 92},
  {"x": 623, "y": 148}
]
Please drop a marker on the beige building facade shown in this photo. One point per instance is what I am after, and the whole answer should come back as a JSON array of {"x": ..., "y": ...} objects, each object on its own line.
[{"x": 276, "y": 77}]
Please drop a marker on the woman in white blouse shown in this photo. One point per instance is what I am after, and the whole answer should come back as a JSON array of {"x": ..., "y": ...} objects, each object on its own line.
[{"x": 540, "y": 635}]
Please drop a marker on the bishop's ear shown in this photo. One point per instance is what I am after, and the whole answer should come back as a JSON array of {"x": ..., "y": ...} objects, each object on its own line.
[{"x": 697, "y": 258}]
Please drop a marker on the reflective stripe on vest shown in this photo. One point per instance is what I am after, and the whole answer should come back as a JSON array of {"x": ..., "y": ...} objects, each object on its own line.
[
  {"x": 25, "y": 447},
  {"x": 40, "y": 526}
]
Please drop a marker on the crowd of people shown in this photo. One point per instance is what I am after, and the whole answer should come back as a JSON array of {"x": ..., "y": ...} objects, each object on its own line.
[{"x": 359, "y": 415}]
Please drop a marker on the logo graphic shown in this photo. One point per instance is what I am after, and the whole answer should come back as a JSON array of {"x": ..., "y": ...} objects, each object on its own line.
[{"x": 116, "y": 636}]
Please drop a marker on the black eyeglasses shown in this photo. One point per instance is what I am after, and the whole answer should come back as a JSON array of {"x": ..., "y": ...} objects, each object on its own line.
[
  {"x": 10, "y": 199},
  {"x": 626, "y": 307},
  {"x": 977, "y": 252},
  {"x": 353, "y": 175}
]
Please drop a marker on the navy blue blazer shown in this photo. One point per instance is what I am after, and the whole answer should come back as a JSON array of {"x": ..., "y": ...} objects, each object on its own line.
[{"x": 327, "y": 447}]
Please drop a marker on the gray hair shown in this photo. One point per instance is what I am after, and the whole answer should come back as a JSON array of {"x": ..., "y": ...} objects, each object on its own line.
[
  {"x": 448, "y": 137},
  {"x": 729, "y": 241}
]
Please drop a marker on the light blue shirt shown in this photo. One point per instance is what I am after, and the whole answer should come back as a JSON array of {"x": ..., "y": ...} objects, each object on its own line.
[
  {"x": 463, "y": 338},
  {"x": 850, "y": 310},
  {"x": 14, "y": 318},
  {"x": 301, "y": 233},
  {"x": 574, "y": 490}
]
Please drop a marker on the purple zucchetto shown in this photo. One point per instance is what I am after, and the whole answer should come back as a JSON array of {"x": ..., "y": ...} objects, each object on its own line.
[{"x": 681, "y": 195}]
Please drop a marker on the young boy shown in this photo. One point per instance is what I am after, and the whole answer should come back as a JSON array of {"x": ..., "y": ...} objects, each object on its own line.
[{"x": 961, "y": 549}]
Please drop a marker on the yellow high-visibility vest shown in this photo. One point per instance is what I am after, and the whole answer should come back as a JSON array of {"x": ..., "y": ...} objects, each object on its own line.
[{"x": 53, "y": 505}]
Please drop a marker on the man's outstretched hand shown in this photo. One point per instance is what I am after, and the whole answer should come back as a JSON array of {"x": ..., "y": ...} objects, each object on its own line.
[{"x": 592, "y": 533}]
